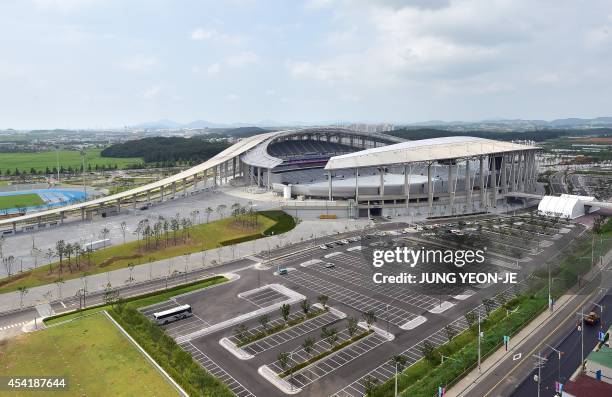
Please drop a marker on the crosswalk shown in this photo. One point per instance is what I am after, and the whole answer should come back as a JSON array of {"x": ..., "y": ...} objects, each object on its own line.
[{"x": 5, "y": 327}]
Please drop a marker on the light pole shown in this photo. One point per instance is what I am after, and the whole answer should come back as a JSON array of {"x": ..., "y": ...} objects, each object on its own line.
[
  {"x": 540, "y": 363},
  {"x": 479, "y": 335},
  {"x": 601, "y": 308},
  {"x": 581, "y": 330},
  {"x": 559, "y": 353}
]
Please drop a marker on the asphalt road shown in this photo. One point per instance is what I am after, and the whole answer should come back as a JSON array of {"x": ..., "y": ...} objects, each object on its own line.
[{"x": 570, "y": 345}]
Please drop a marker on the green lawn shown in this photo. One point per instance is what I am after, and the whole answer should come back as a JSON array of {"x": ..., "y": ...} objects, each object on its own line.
[
  {"x": 20, "y": 200},
  {"x": 94, "y": 356},
  {"x": 67, "y": 158},
  {"x": 202, "y": 237}
]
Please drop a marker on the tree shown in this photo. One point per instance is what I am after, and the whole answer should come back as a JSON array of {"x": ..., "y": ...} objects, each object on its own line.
[
  {"x": 221, "y": 210},
  {"x": 283, "y": 359},
  {"x": 2, "y": 241},
  {"x": 60, "y": 250},
  {"x": 399, "y": 360},
  {"x": 104, "y": 233},
  {"x": 471, "y": 318},
  {"x": 22, "y": 292},
  {"x": 8, "y": 264},
  {"x": 123, "y": 227},
  {"x": 370, "y": 318},
  {"x": 285, "y": 309},
  {"x": 208, "y": 211},
  {"x": 352, "y": 326},
  {"x": 322, "y": 299},
  {"x": 308, "y": 345},
  {"x": 488, "y": 304},
  {"x": 369, "y": 384},
  {"x": 330, "y": 335},
  {"x": 264, "y": 320},
  {"x": 450, "y": 332},
  {"x": 428, "y": 351},
  {"x": 305, "y": 305},
  {"x": 240, "y": 332}
]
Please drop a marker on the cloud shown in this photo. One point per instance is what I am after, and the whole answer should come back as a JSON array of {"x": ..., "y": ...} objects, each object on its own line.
[
  {"x": 139, "y": 63},
  {"x": 232, "y": 97},
  {"x": 213, "y": 69},
  {"x": 214, "y": 36},
  {"x": 65, "y": 5},
  {"x": 152, "y": 92},
  {"x": 241, "y": 59}
]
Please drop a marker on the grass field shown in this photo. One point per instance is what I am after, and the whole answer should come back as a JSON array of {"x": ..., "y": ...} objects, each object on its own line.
[
  {"x": 202, "y": 237},
  {"x": 21, "y": 200},
  {"x": 67, "y": 158},
  {"x": 94, "y": 356}
]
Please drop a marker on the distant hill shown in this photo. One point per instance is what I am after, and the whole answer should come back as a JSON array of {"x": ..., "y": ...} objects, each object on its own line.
[
  {"x": 244, "y": 132},
  {"x": 162, "y": 149},
  {"x": 538, "y": 136}
]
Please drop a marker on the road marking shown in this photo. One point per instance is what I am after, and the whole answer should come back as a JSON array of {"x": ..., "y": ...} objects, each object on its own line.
[
  {"x": 12, "y": 325},
  {"x": 517, "y": 356},
  {"x": 62, "y": 303},
  {"x": 536, "y": 347}
]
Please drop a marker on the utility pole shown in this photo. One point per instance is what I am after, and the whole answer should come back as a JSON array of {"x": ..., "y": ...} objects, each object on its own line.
[
  {"x": 601, "y": 309},
  {"x": 559, "y": 353},
  {"x": 539, "y": 364},
  {"x": 479, "y": 333},
  {"x": 581, "y": 329}
]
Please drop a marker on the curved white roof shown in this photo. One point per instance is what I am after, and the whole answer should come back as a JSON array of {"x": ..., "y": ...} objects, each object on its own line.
[
  {"x": 424, "y": 150},
  {"x": 564, "y": 206}
]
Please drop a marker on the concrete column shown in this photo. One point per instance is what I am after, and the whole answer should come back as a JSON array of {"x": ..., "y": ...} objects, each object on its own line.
[
  {"x": 452, "y": 184},
  {"x": 381, "y": 190},
  {"x": 39, "y": 218},
  {"x": 268, "y": 175},
  {"x": 407, "y": 175},
  {"x": 119, "y": 205},
  {"x": 173, "y": 189},
  {"x": 161, "y": 193},
  {"x": 184, "y": 185},
  {"x": 468, "y": 183},
  {"x": 356, "y": 184},
  {"x": 258, "y": 176},
  {"x": 429, "y": 189},
  {"x": 519, "y": 165},
  {"x": 494, "y": 180},
  {"x": 148, "y": 196},
  {"x": 214, "y": 176},
  {"x": 329, "y": 189},
  {"x": 82, "y": 215},
  {"x": 134, "y": 202},
  {"x": 482, "y": 182},
  {"x": 225, "y": 165},
  {"x": 15, "y": 226},
  {"x": 234, "y": 167},
  {"x": 504, "y": 175},
  {"x": 62, "y": 216}
]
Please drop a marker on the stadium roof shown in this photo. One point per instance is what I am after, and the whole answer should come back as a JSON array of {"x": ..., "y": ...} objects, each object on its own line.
[
  {"x": 424, "y": 150},
  {"x": 259, "y": 156}
]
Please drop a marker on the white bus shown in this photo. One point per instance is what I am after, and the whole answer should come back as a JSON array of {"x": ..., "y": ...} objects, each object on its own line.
[{"x": 170, "y": 315}]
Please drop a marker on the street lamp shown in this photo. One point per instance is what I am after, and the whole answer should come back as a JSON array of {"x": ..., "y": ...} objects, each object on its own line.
[{"x": 559, "y": 354}]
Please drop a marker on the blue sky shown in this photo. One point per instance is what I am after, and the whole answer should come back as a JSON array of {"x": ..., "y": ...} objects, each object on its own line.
[{"x": 97, "y": 63}]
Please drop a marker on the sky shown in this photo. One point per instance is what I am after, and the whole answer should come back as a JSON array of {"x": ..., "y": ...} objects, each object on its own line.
[{"x": 107, "y": 63}]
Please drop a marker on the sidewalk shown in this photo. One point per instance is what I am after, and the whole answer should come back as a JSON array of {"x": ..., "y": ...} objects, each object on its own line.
[
  {"x": 488, "y": 366},
  {"x": 303, "y": 231}
]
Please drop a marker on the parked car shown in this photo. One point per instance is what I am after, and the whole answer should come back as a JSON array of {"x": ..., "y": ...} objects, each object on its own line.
[
  {"x": 329, "y": 265},
  {"x": 592, "y": 318}
]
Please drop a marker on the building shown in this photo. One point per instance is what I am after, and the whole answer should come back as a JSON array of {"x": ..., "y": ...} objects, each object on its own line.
[{"x": 337, "y": 171}]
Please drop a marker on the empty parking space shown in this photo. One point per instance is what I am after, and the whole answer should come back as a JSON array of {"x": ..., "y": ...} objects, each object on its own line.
[
  {"x": 386, "y": 370},
  {"x": 363, "y": 276},
  {"x": 358, "y": 301},
  {"x": 209, "y": 365},
  {"x": 264, "y": 297},
  {"x": 342, "y": 357},
  {"x": 290, "y": 334}
]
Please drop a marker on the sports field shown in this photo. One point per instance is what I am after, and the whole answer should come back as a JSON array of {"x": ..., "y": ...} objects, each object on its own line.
[
  {"x": 67, "y": 158},
  {"x": 21, "y": 200},
  {"x": 92, "y": 353}
]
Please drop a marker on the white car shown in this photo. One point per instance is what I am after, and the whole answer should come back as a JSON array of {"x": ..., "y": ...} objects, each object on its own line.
[{"x": 323, "y": 246}]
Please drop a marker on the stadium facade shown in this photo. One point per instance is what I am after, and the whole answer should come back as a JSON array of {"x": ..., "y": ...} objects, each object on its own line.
[{"x": 337, "y": 171}]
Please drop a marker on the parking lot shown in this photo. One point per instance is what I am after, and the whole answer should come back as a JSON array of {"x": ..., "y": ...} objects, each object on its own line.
[{"x": 347, "y": 283}]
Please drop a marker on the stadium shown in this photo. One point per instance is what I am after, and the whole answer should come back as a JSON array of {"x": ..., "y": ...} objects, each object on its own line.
[{"x": 337, "y": 172}]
